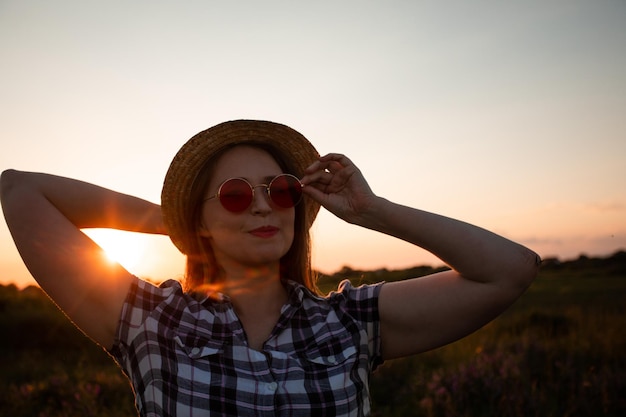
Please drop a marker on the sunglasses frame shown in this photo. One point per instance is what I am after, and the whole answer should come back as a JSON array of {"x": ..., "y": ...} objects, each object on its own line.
[{"x": 267, "y": 188}]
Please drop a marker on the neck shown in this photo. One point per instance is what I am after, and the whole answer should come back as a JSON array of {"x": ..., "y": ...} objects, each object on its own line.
[{"x": 254, "y": 290}]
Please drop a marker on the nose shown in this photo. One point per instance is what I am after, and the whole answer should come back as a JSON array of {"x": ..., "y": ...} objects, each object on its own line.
[{"x": 261, "y": 200}]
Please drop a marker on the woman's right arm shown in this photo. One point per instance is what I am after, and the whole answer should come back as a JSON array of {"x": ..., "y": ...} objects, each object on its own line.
[{"x": 45, "y": 214}]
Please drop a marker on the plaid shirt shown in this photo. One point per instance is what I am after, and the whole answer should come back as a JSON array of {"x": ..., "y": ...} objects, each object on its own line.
[{"x": 189, "y": 357}]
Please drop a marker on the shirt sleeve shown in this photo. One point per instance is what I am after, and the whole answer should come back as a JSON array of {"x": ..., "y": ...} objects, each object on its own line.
[
  {"x": 361, "y": 303},
  {"x": 142, "y": 299}
]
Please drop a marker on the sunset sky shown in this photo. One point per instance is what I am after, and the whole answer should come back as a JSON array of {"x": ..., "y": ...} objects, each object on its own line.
[{"x": 508, "y": 115}]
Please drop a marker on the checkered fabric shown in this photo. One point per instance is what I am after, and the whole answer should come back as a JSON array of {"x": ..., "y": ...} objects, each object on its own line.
[{"x": 188, "y": 356}]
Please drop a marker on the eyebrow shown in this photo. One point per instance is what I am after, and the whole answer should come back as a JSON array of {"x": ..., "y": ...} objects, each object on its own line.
[{"x": 266, "y": 179}]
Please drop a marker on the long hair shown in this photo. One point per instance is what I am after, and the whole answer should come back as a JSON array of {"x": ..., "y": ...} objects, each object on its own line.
[{"x": 201, "y": 265}]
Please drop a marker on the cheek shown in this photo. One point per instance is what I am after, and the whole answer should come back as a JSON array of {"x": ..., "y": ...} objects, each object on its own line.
[
  {"x": 215, "y": 224},
  {"x": 289, "y": 228},
  {"x": 218, "y": 227}
]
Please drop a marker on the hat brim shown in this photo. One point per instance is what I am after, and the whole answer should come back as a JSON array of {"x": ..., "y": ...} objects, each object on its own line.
[{"x": 192, "y": 156}]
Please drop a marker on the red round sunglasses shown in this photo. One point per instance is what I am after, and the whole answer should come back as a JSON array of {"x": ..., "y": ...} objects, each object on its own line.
[{"x": 236, "y": 194}]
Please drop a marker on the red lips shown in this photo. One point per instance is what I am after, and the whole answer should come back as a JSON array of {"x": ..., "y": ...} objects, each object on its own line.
[{"x": 264, "y": 231}]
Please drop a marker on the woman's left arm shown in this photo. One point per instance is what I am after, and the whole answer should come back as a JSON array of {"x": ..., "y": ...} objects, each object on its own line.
[{"x": 489, "y": 272}]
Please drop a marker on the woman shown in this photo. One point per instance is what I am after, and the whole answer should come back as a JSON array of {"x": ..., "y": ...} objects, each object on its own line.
[{"x": 247, "y": 333}]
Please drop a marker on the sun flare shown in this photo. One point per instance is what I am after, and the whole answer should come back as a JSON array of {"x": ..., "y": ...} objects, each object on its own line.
[{"x": 126, "y": 248}]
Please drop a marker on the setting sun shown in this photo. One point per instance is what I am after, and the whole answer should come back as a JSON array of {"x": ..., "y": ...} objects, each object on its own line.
[{"x": 127, "y": 248}]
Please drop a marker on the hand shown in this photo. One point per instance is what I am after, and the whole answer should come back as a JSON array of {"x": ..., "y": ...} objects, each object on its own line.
[{"x": 338, "y": 185}]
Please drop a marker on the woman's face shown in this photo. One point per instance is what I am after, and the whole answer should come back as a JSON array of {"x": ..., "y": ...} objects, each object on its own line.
[{"x": 262, "y": 233}]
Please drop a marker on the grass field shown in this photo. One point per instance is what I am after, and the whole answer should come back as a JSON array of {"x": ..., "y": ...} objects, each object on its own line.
[{"x": 559, "y": 351}]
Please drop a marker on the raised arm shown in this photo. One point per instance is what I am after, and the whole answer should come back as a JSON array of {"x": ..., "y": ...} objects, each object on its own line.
[
  {"x": 45, "y": 214},
  {"x": 488, "y": 272}
]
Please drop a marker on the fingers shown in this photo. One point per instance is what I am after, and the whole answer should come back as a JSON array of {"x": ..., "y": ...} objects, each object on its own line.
[
  {"x": 330, "y": 174},
  {"x": 331, "y": 162},
  {"x": 326, "y": 167},
  {"x": 320, "y": 177},
  {"x": 338, "y": 185},
  {"x": 319, "y": 180}
]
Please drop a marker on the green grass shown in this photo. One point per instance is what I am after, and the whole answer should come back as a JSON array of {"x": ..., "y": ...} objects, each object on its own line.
[
  {"x": 558, "y": 351},
  {"x": 49, "y": 368}
]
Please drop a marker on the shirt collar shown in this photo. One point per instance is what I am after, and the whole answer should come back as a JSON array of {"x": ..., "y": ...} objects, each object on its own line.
[{"x": 295, "y": 294}]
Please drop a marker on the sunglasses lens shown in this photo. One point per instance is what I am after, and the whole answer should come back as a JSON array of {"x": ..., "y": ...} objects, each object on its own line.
[
  {"x": 285, "y": 191},
  {"x": 235, "y": 195}
]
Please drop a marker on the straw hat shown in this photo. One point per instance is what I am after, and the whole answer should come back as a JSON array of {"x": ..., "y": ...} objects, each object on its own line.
[{"x": 191, "y": 157}]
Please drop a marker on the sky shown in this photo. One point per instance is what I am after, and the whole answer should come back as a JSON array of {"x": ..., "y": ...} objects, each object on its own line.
[{"x": 507, "y": 115}]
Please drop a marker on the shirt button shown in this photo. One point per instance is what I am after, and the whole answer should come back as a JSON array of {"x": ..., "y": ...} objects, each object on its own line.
[
  {"x": 332, "y": 359},
  {"x": 272, "y": 386},
  {"x": 195, "y": 351}
]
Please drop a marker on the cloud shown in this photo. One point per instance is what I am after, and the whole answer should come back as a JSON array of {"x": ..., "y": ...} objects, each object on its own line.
[
  {"x": 570, "y": 246},
  {"x": 606, "y": 206},
  {"x": 532, "y": 241}
]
